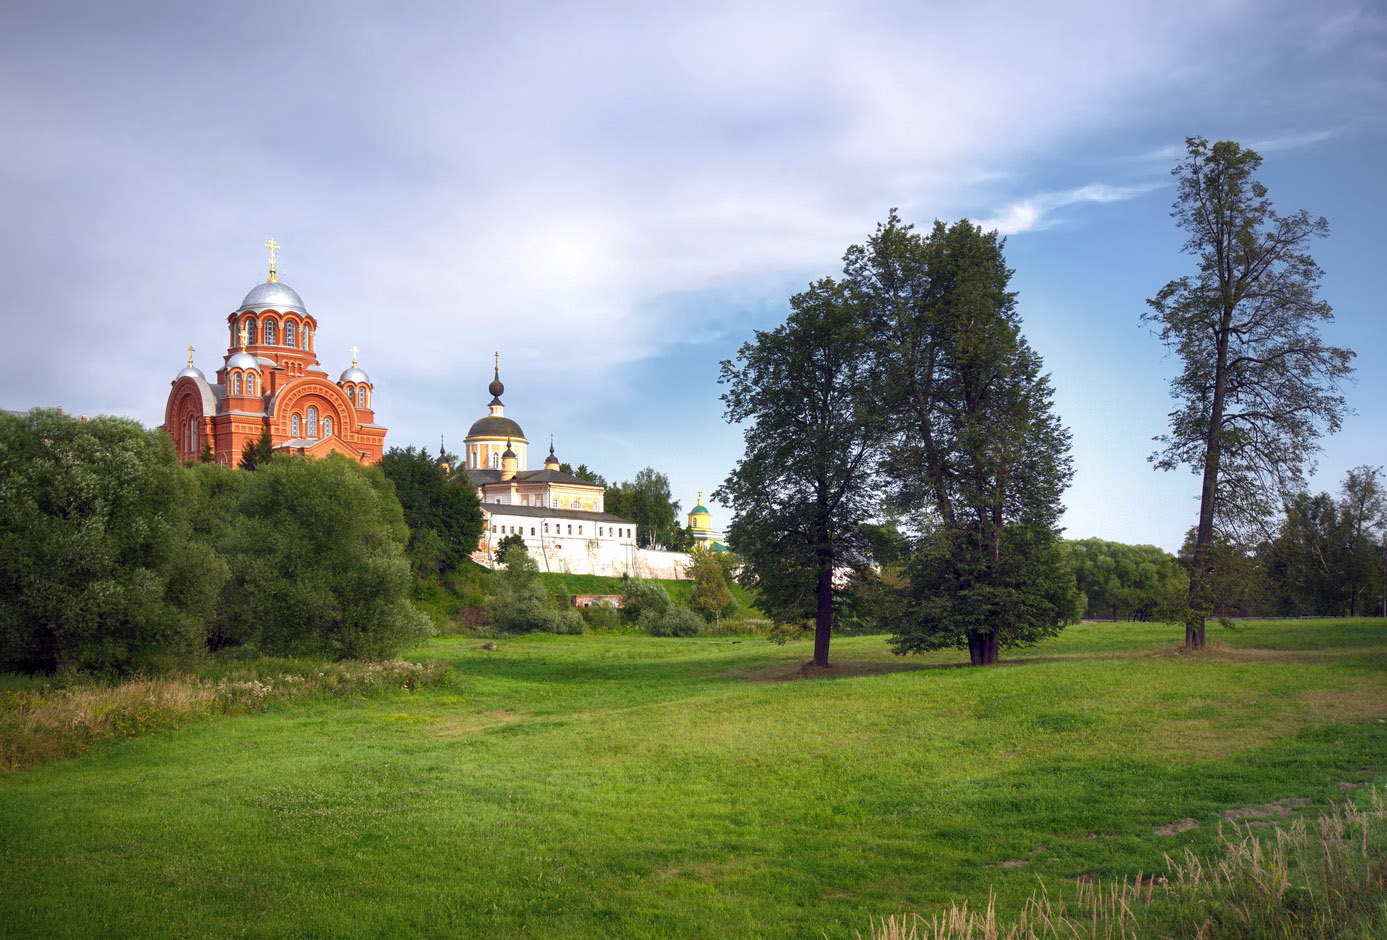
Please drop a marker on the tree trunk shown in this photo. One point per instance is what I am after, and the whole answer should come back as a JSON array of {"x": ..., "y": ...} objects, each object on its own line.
[
  {"x": 977, "y": 649},
  {"x": 990, "y": 648},
  {"x": 823, "y": 617},
  {"x": 1194, "y": 632}
]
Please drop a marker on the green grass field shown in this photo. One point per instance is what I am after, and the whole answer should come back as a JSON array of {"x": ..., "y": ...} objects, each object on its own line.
[
  {"x": 678, "y": 591},
  {"x": 634, "y": 787}
]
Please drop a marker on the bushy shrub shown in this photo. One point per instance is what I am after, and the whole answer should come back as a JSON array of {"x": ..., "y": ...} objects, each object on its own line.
[
  {"x": 676, "y": 621},
  {"x": 99, "y": 565},
  {"x": 601, "y": 616},
  {"x": 317, "y": 563},
  {"x": 519, "y": 602},
  {"x": 639, "y": 596}
]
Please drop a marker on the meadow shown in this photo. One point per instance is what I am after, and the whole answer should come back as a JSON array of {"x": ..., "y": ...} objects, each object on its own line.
[{"x": 631, "y": 786}]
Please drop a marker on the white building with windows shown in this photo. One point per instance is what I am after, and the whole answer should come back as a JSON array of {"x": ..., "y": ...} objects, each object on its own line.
[{"x": 561, "y": 518}]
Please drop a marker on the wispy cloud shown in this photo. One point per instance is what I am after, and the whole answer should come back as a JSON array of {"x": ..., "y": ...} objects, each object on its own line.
[{"x": 1038, "y": 212}]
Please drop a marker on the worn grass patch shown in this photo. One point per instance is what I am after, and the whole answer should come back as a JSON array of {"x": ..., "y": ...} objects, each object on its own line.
[{"x": 624, "y": 786}]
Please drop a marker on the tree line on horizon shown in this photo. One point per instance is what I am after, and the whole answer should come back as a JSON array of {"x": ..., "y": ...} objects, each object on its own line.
[{"x": 904, "y": 397}]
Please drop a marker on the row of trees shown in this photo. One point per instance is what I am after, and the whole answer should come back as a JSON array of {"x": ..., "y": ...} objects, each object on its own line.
[
  {"x": 113, "y": 555},
  {"x": 647, "y": 501},
  {"x": 904, "y": 389}
]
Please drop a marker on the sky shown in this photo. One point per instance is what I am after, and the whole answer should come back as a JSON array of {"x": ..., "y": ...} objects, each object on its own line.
[{"x": 616, "y": 196}]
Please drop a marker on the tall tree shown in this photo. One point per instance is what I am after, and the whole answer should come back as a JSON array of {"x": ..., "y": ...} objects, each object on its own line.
[
  {"x": 648, "y": 502},
  {"x": 1258, "y": 385},
  {"x": 436, "y": 503},
  {"x": 974, "y": 440},
  {"x": 804, "y": 486}
]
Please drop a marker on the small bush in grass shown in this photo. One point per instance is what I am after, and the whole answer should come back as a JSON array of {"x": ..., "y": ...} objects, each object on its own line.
[
  {"x": 676, "y": 621},
  {"x": 639, "y": 596},
  {"x": 601, "y": 617}
]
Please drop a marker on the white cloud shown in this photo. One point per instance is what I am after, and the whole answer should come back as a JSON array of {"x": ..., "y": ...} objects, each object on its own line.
[{"x": 1037, "y": 212}]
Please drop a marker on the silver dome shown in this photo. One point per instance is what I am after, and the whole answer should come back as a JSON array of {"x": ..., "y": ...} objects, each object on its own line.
[
  {"x": 190, "y": 372},
  {"x": 353, "y": 374},
  {"x": 273, "y": 295},
  {"x": 243, "y": 361}
]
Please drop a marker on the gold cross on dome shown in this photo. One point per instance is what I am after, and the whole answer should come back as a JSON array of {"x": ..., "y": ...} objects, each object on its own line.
[
  {"x": 274, "y": 247},
  {"x": 190, "y": 356},
  {"x": 245, "y": 335},
  {"x": 354, "y": 353}
]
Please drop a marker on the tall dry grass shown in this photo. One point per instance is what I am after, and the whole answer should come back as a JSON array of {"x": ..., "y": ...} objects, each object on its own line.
[
  {"x": 1322, "y": 879},
  {"x": 48, "y": 723}
]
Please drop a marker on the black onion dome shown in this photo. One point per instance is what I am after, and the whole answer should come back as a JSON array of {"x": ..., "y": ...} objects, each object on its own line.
[
  {"x": 496, "y": 426},
  {"x": 496, "y": 388}
]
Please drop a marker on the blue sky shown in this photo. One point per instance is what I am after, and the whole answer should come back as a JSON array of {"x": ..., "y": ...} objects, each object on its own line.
[{"x": 616, "y": 195}]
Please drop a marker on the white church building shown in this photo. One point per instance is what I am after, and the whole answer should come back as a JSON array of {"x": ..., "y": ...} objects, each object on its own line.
[{"x": 561, "y": 518}]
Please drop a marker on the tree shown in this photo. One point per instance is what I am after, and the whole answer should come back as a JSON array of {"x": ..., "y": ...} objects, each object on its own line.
[
  {"x": 1363, "y": 506},
  {"x": 258, "y": 452},
  {"x": 1258, "y": 385},
  {"x": 434, "y": 503},
  {"x": 509, "y": 543},
  {"x": 1137, "y": 582},
  {"x": 317, "y": 563},
  {"x": 583, "y": 472},
  {"x": 100, "y": 566},
  {"x": 647, "y": 501},
  {"x": 710, "y": 594},
  {"x": 804, "y": 485},
  {"x": 639, "y": 596},
  {"x": 974, "y": 441}
]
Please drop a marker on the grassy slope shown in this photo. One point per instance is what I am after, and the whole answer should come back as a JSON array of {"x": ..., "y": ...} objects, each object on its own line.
[
  {"x": 626, "y": 786},
  {"x": 599, "y": 584}
]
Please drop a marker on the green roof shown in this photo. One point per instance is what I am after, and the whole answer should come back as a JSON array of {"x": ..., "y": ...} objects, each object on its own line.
[{"x": 700, "y": 510}]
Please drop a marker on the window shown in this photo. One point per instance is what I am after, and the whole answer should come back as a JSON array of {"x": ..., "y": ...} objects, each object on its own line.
[
  {"x": 327, "y": 427},
  {"x": 546, "y": 528},
  {"x": 580, "y": 530},
  {"x": 495, "y": 461},
  {"x": 250, "y": 331},
  {"x": 570, "y": 530},
  {"x": 367, "y": 396},
  {"x": 312, "y": 421},
  {"x": 236, "y": 383},
  {"x": 493, "y": 530},
  {"x": 532, "y": 530},
  {"x": 288, "y": 334},
  {"x": 351, "y": 395},
  {"x": 250, "y": 383},
  {"x": 294, "y": 425},
  {"x": 235, "y": 337},
  {"x": 270, "y": 333}
]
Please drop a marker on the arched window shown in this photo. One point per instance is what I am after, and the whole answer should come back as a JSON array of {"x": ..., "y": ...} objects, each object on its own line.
[
  {"x": 495, "y": 461},
  {"x": 351, "y": 395},
  {"x": 288, "y": 334},
  {"x": 236, "y": 384},
  {"x": 250, "y": 331},
  {"x": 312, "y": 422},
  {"x": 294, "y": 425},
  {"x": 271, "y": 333},
  {"x": 250, "y": 383},
  {"x": 327, "y": 427},
  {"x": 367, "y": 394},
  {"x": 235, "y": 330}
]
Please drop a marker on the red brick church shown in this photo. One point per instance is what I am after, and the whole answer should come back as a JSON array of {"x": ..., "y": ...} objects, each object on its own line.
[{"x": 270, "y": 378}]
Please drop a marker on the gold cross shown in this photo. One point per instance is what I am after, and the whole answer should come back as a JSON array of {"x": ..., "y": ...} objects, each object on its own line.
[
  {"x": 354, "y": 352},
  {"x": 274, "y": 254},
  {"x": 245, "y": 335},
  {"x": 190, "y": 356}
]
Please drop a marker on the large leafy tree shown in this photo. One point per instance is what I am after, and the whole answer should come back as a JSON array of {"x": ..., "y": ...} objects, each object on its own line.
[
  {"x": 317, "y": 563},
  {"x": 647, "y": 501},
  {"x": 444, "y": 517},
  {"x": 100, "y": 564},
  {"x": 805, "y": 484},
  {"x": 977, "y": 456},
  {"x": 1258, "y": 385}
]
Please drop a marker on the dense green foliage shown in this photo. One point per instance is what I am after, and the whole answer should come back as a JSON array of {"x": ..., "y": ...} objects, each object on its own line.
[
  {"x": 444, "y": 518},
  {"x": 317, "y": 563},
  {"x": 647, "y": 501},
  {"x": 623, "y": 786},
  {"x": 1127, "y": 582},
  {"x": 975, "y": 456},
  {"x": 1257, "y": 384},
  {"x": 1330, "y": 556},
  {"x": 804, "y": 485},
  {"x": 711, "y": 574},
  {"x": 678, "y": 620},
  {"x": 256, "y": 452},
  {"x": 115, "y": 557},
  {"x": 520, "y": 603},
  {"x": 100, "y": 567},
  {"x": 640, "y": 597}
]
